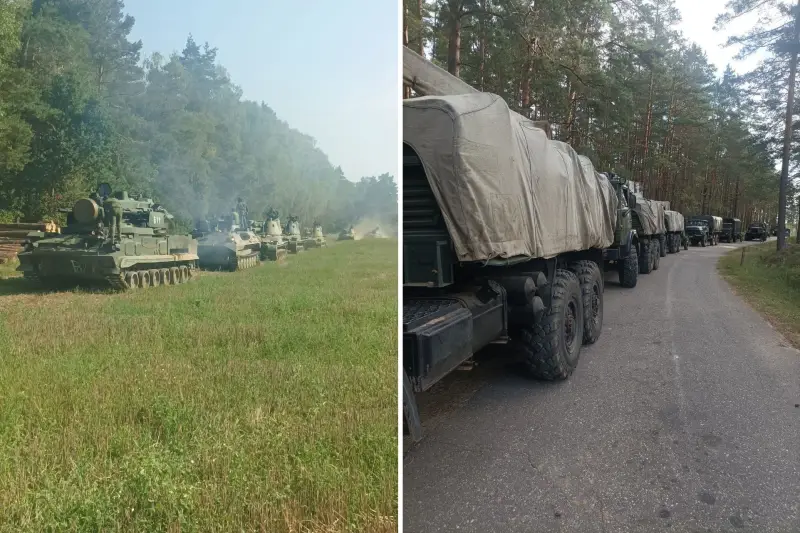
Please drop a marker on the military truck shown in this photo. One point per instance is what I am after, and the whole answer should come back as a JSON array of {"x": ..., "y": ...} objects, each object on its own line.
[
  {"x": 503, "y": 239},
  {"x": 648, "y": 221},
  {"x": 623, "y": 254},
  {"x": 731, "y": 230},
  {"x": 704, "y": 230},
  {"x": 663, "y": 245},
  {"x": 756, "y": 232},
  {"x": 112, "y": 240},
  {"x": 291, "y": 233},
  {"x": 673, "y": 221}
]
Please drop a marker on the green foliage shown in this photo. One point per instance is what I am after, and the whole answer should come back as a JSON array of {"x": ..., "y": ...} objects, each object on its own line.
[
  {"x": 770, "y": 281},
  {"x": 78, "y": 106},
  {"x": 619, "y": 83}
]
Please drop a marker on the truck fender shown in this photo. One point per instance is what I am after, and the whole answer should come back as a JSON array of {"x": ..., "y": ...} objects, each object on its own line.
[{"x": 631, "y": 241}]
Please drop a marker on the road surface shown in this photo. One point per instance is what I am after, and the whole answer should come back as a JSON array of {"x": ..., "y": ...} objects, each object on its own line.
[{"x": 685, "y": 416}]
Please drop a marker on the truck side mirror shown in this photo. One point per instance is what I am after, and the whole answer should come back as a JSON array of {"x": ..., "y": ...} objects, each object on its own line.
[{"x": 631, "y": 200}]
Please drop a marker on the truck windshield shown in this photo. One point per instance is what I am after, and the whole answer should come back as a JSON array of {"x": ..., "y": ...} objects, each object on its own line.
[{"x": 698, "y": 223}]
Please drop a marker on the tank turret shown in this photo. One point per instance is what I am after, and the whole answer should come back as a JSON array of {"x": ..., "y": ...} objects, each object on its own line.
[
  {"x": 271, "y": 234},
  {"x": 116, "y": 240},
  {"x": 292, "y": 235},
  {"x": 316, "y": 238}
]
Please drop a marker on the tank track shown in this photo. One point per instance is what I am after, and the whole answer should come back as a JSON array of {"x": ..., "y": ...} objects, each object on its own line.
[
  {"x": 248, "y": 261},
  {"x": 165, "y": 275}
]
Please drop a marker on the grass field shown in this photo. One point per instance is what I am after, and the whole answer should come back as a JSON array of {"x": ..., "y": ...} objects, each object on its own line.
[
  {"x": 263, "y": 400},
  {"x": 770, "y": 282}
]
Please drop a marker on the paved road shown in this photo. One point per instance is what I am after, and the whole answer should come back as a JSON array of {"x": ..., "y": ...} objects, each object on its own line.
[{"x": 682, "y": 417}]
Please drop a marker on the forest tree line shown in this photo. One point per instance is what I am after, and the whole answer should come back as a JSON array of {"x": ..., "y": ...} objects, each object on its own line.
[
  {"x": 80, "y": 106},
  {"x": 618, "y": 82}
]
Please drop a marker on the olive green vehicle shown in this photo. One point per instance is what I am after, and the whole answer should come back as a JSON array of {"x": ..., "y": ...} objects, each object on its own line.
[
  {"x": 275, "y": 247},
  {"x": 231, "y": 247},
  {"x": 347, "y": 235},
  {"x": 115, "y": 241},
  {"x": 292, "y": 235},
  {"x": 623, "y": 254},
  {"x": 315, "y": 238}
]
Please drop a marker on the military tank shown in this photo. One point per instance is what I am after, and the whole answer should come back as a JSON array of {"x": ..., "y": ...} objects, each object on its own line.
[
  {"x": 375, "y": 234},
  {"x": 347, "y": 235},
  {"x": 116, "y": 241},
  {"x": 291, "y": 233},
  {"x": 315, "y": 238},
  {"x": 231, "y": 247},
  {"x": 274, "y": 246}
]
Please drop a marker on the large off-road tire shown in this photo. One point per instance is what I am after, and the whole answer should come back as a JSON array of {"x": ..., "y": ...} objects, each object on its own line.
[
  {"x": 656, "y": 255},
  {"x": 703, "y": 243},
  {"x": 550, "y": 349},
  {"x": 662, "y": 245},
  {"x": 646, "y": 259},
  {"x": 629, "y": 269},
  {"x": 591, "y": 281}
]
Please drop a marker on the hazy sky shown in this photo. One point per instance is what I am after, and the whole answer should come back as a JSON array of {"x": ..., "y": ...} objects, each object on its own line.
[
  {"x": 327, "y": 68},
  {"x": 698, "y": 26}
]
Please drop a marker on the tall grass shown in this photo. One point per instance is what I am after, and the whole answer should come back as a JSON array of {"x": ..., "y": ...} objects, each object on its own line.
[
  {"x": 770, "y": 281},
  {"x": 263, "y": 400}
]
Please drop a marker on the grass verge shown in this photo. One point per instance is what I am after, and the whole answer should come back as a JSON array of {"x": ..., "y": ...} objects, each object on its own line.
[
  {"x": 263, "y": 400},
  {"x": 770, "y": 282}
]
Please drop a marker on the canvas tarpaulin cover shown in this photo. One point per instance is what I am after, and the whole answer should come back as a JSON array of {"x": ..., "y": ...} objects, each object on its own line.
[
  {"x": 651, "y": 215},
  {"x": 504, "y": 189},
  {"x": 674, "y": 221}
]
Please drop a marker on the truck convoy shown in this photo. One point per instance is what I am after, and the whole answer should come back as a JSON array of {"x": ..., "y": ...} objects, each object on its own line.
[{"x": 506, "y": 234}]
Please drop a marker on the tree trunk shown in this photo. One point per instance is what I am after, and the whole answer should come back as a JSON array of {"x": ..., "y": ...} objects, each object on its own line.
[
  {"x": 787, "y": 135},
  {"x": 454, "y": 42},
  {"x": 421, "y": 42}
]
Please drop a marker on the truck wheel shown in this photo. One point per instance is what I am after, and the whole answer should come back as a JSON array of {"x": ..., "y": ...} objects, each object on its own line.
[
  {"x": 629, "y": 270},
  {"x": 645, "y": 259},
  {"x": 656, "y": 255},
  {"x": 591, "y": 282},
  {"x": 550, "y": 348},
  {"x": 703, "y": 243},
  {"x": 662, "y": 246}
]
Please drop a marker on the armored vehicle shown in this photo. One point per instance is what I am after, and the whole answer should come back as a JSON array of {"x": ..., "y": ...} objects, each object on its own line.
[
  {"x": 375, "y": 234},
  {"x": 347, "y": 235},
  {"x": 648, "y": 221},
  {"x": 315, "y": 238},
  {"x": 623, "y": 254},
  {"x": 756, "y": 232},
  {"x": 503, "y": 236},
  {"x": 275, "y": 246},
  {"x": 673, "y": 221},
  {"x": 294, "y": 240},
  {"x": 230, "y": 247},
  {"x": 116, "y": 241}
]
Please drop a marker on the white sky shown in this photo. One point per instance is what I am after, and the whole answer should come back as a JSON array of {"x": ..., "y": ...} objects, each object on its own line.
[{"x": 698, "y": 26}]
